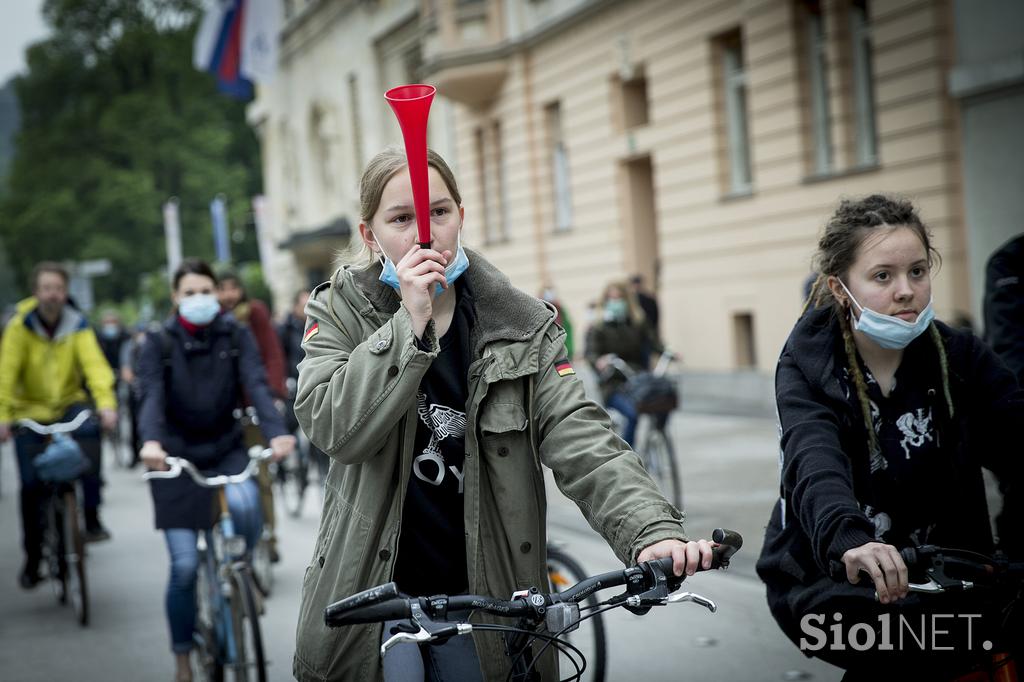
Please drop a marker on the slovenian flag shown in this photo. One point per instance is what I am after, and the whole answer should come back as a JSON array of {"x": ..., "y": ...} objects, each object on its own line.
[{"x": 237, "y": 42}]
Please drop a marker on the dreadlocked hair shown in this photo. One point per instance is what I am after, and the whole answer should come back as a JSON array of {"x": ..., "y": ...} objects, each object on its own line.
[
  {"x": 860, "y": 385},
  {"x": 940, "y": 347}
]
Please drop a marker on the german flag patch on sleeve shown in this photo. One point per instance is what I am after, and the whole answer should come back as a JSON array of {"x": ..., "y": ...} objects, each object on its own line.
[
  {"x": 313, "y": 330},
  {"x": 563, "y": 367}
]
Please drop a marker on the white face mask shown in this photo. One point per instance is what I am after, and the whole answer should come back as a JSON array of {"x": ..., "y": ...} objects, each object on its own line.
[
  {"x": 199, "y": 309},
  {"x": 888, "y": 331}
]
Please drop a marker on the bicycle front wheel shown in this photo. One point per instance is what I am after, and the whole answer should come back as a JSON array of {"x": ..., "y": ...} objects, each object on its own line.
[
  {"x": 249, "y": 664},
  {"x": 262, "y": 566},
  {"x": 53, "y": 548},
  {"x": 563, "y": 573},
  {"x": 659, "y": 459},
  {"x": 208, "y": 643},
  {"x": 74, "y": 559},
  {"x": 292, "y": 474}
]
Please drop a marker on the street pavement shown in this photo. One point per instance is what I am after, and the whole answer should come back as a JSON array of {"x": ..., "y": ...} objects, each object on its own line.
[{"x": 729, "y": 467}]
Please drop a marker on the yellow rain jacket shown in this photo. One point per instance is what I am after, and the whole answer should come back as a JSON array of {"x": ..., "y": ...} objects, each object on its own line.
[{"x": 40, "y": 377}]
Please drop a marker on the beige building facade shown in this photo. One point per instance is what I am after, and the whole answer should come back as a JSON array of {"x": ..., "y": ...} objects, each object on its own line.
[{"x": 700, "y": 143}]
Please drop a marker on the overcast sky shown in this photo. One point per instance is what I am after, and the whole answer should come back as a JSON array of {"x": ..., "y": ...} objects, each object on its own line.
[{"x": 21, "y": 24}]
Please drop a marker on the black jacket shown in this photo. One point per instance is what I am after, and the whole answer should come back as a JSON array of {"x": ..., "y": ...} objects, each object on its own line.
[
  {"x": 824, "y": 460},
  {"x": 632, "y": 342},
  {"x": 1004, "y": 304},
  {"x": 187, "y": 405},
  {"x": 290, "y": 332}
]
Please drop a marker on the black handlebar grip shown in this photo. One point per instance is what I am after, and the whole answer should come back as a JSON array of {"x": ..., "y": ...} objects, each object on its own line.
[
  {"x": 374, "y": 595},
  {"x": 729, "y": 542},
  {"x": 665, "y": 563},
  {"x": 373, "y": 613}
]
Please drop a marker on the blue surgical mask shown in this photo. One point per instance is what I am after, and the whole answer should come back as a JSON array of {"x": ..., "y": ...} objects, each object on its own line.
[
  {"x": 888, "y": 331},
  {"x": 199, "y": 309},
  {"x": 454, "y": 270},
  {"x": 616, "y": 310}
]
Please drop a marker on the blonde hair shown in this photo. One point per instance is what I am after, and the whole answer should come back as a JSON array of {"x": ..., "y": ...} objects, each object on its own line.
[
  {"x": 636, "y": 313},
  {"x": 379, "y": 171}
]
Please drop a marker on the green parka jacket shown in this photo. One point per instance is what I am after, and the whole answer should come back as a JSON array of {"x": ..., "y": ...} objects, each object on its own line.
[{"x": 356, "y": 400}]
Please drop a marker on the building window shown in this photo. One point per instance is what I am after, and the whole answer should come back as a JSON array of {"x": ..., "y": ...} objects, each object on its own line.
[
  {"x": 490, "y": 168},
  {"x": 500, "y": 182},
  {"x": 865, "y": 133},
  {"x": 559, "y": 157},
  {"x": 323, "y": 140},
  {"x": 486, "y": 196},
  {"x": 630, "y": 104},
  {"x": 816, "y": 54},
  {"x": 357, "y": 124},
  {"x": 734, "y": 86},
  {"x": 743, "y": 340}
]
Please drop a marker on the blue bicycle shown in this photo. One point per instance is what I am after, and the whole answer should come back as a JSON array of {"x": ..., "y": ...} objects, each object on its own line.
[{"x": 228, "y": 637}]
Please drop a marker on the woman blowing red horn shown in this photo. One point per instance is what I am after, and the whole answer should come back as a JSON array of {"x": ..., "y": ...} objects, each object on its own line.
[{"x": 439, "y": 388}]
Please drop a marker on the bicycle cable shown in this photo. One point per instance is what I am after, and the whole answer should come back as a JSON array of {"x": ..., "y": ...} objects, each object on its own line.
[
  {"x": 565, "y": 630},
  {"x": 560, "y": 644}
]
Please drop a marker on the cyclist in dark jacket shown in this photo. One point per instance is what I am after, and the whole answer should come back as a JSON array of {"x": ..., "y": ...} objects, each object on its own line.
[
  {"x": 1004, "y": 304},
  {"x": 624, "y": 332},
  {"x": 291, "y": 332},
  {"x": 191, "y": 374},
  {"x": 886, "y": 420}
]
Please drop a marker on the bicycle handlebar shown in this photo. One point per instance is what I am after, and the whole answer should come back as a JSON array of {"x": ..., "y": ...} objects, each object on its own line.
[
  {"x": 664, "y": 360},
  {"x": 179, "y": 464},
  {"x": 649, "y": 583},
  {"x": 59, "y": 427},
  {"x": 929, "y": 563}
]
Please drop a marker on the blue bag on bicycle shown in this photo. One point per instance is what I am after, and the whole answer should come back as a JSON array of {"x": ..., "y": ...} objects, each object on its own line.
[{"x": 61, "y": 461}]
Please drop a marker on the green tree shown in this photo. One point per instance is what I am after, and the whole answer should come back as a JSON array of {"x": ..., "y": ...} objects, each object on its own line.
[{"x": 114, "y": 121}]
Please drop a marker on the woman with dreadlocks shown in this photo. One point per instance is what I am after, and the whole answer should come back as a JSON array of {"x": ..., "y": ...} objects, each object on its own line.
[{"x": 887, "y": 417}]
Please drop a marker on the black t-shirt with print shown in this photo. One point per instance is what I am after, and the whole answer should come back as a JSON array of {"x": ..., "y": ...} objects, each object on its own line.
[
  {"x": 909, "y": 497},
  {"x": 432, "y": 544}
]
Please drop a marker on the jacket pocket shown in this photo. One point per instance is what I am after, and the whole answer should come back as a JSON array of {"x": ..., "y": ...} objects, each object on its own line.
[
  {"x": 337, "y": 570},
  {"x": 503, "y": 433},
  {"x": 502, "y": 417}
]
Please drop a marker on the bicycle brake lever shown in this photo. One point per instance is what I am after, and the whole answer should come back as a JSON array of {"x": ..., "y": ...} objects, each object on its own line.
[
  {"x": 934, "y": 587},
  {"x": 416, "y": 637},
  {"x": 680, "y": 597},
  {"x": 423, "y": 635}
]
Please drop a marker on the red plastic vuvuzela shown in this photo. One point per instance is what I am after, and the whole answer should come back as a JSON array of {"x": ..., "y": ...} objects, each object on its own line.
[{"x": 411, "y": 104}]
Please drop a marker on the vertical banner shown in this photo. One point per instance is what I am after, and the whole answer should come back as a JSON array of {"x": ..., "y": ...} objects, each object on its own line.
[
  {"x": 219, "y": 216},
  {"x": 264, "y": 237},
  {"x": 172, "y": 235},
  {"x": 261, "y": 26}
]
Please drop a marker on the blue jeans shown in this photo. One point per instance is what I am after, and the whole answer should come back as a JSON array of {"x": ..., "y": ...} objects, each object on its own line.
[
  {"x": 621, "y": 402},
  {"x": 28, "y": 445},
  {"x": 244, "y": 505}
]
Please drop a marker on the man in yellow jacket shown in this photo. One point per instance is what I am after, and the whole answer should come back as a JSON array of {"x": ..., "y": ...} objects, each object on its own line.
[{"x": 48, "y": 356}]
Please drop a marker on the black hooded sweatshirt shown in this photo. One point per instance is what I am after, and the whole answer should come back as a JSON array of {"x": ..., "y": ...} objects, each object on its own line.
[{"x": 826, "y": 478}]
